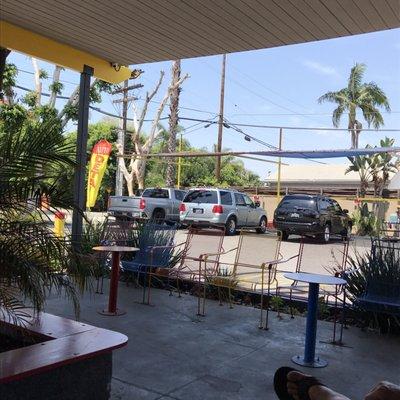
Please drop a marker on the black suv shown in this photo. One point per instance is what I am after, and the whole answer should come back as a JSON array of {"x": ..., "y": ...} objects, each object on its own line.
[{"x": 310, "y": 215}]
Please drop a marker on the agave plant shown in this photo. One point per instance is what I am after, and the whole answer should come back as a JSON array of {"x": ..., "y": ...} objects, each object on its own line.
[
  {"x": 381, "y": 266},
  {"x": 33, "y": 261}
]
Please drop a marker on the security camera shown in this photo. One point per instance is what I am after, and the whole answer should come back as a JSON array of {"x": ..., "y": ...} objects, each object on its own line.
[{"x": 116, "y": 66}]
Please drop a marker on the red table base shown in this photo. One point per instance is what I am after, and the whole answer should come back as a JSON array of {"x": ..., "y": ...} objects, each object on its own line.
[
  {"x": 112, "y": 309},
  {"x": 111, "y": 314}
]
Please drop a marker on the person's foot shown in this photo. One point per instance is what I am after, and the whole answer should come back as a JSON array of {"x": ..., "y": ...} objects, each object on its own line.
[
  {"x": 316, "y": 392},
  {"x": 384, "y": 391}
]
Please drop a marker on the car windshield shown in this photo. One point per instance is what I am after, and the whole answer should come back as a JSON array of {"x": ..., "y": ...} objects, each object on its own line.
[
  {"x": 299, "y": 202},
  {"x": 201, "y": 196}
]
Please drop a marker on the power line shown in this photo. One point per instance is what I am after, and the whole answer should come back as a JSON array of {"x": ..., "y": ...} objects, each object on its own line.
[
  {"x": 61, "y": 80},
  {"x": 184, "y": 108},
  {"x": 208, "y": 121},
  {"x": 255, "y": 93},
  {"x": 303, "y": 114},
  {"x": 268, "y": 88},
  {"x": 291, "y": 127},
  {"x": 268, "y": 145}
]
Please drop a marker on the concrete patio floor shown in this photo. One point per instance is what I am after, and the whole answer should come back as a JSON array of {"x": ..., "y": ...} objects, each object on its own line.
[{"x": 173, "y": 354}]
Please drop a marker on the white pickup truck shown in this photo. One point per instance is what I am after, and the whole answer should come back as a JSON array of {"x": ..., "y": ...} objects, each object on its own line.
[{"x": 154, "y": 203}]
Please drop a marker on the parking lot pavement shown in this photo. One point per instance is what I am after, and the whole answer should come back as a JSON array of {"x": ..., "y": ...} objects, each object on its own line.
[{"x": 317, "y": 257}]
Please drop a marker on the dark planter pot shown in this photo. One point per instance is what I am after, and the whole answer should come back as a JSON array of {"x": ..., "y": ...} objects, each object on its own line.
[{"x": 68, "y": 360}]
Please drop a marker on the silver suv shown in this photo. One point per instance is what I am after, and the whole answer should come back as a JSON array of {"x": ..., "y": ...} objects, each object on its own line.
[{"x": 222, "y": 207}]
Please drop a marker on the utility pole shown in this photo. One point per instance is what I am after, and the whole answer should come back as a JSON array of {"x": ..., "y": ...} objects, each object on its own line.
[
  {"x": 278, "y": 185},
  {"x": 220, "y": 121},
  {"x": 119, "y": 178}
]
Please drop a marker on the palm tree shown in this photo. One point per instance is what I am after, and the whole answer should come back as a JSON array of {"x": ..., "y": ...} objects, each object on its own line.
[
  {"x": 374, "y": 168},
  {"x": 33, "y": 261},
  {"x": 173, "y": 122},
  {"x": 368, "y": 97},
  {"x": 362, "y": 165}
]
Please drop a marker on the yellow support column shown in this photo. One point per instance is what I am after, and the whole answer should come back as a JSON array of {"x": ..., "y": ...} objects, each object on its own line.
[{"x": 278, "y": 185}]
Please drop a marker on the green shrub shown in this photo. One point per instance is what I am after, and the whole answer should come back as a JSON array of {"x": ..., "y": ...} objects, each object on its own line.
[
  {"x": 276, "y": 303},
  {"x": 365, "y": 222}
]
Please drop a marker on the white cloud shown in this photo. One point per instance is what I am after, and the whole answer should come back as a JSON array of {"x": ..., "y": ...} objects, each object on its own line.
[{"x": 320, "y": 68}]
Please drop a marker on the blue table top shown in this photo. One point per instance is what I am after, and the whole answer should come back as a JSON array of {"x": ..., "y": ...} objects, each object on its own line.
[{"x": 314, "y": 278}]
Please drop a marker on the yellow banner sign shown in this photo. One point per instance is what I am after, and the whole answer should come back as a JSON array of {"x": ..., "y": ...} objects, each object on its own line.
[{"x": 98, "y": 164}]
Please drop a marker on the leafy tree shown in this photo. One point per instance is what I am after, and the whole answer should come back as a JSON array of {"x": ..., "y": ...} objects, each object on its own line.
[
  {"x": 33, "y": 261},
  {"x": 367, "y": 97},
  {"x": 362, "y": 165},
  {"x": 3, "y": 57},
  {"x": 199, "y": 171},
  {"x": 383, "y": 164},
  {"x": 133, "y": 167},
  {"x": 375, "y": 168}
]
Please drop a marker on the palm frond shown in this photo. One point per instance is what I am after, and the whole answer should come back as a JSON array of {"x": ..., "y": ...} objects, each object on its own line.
[
  {"x": 355, "y": 78},
  {"x": 33, "y": 261},
  {"x": 340, "y": 97},
  {"x": 337, "y": 114},
  {"x": 375, "y": 95}
]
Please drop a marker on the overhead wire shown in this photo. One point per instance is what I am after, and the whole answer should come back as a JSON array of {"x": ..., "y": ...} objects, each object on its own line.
[{"x": 268, "y": 145}]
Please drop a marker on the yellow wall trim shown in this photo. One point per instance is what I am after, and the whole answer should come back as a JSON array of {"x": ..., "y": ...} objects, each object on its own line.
[{"x": 15, "y": 38}]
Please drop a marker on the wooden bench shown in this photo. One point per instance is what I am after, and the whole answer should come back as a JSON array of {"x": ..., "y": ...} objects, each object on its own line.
[{"x": 68, "y": 353}]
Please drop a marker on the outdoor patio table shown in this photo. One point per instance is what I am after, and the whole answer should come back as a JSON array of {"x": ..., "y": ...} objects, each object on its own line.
[
  {"x": 112, "y": 299},
  {"x": 313, "y": 280}
]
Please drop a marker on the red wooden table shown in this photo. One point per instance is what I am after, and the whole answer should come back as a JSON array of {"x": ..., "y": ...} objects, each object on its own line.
[{"x": 112, "y": 299}]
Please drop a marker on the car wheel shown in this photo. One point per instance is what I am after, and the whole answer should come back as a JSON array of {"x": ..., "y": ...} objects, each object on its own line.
[
  {"x": 262, "y": 228},
  {"x": 326, "y": 236},
  {"x": 230, "y": 226}
]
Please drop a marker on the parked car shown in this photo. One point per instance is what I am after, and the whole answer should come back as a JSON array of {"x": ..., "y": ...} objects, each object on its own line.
[
  {"x": 154, "y": 203},
  {"x": 308, "y": 215},
  {"x": 222, "y": 207}
]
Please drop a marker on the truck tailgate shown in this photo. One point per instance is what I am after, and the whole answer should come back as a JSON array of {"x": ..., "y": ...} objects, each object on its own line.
[{"x": 124, "y": 205}]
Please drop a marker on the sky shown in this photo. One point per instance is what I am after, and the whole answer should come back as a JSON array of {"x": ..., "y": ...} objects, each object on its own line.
[{"x": 274, "y": 87}]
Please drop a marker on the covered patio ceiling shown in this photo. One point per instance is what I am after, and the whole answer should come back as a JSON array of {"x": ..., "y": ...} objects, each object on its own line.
[{"x": 139, "y": 31}]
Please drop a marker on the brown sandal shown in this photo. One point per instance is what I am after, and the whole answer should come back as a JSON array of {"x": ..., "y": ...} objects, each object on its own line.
[{"x": 304, "y": 385}]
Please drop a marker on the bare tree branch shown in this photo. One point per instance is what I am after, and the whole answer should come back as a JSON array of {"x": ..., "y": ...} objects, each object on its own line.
[
  {"x": 38, "y": 83},
  {"x": 73, "y": 101},
  {"x": 149, "y": 97},
  {"x": 154, "y": 132},
  {"x": 56, "y": 80}
]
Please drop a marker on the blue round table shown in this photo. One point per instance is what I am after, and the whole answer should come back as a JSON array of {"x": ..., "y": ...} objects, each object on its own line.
[{"x": 313, "y": 280}]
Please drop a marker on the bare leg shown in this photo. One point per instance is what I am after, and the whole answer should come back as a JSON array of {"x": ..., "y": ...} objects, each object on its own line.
[{"x": 315, "y": 392}]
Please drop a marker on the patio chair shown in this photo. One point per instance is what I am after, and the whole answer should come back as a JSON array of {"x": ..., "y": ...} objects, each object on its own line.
[
  {"x": 391, "y": 227},
  {"x": 115, "y": 233},
  {"x": 253, "y": 270},
  {"x": 156, "y": 244},
  {"x": 200, "y": 244},
  {"x": 380, "y": 297},
  {"x": 331, "y": 259}
]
